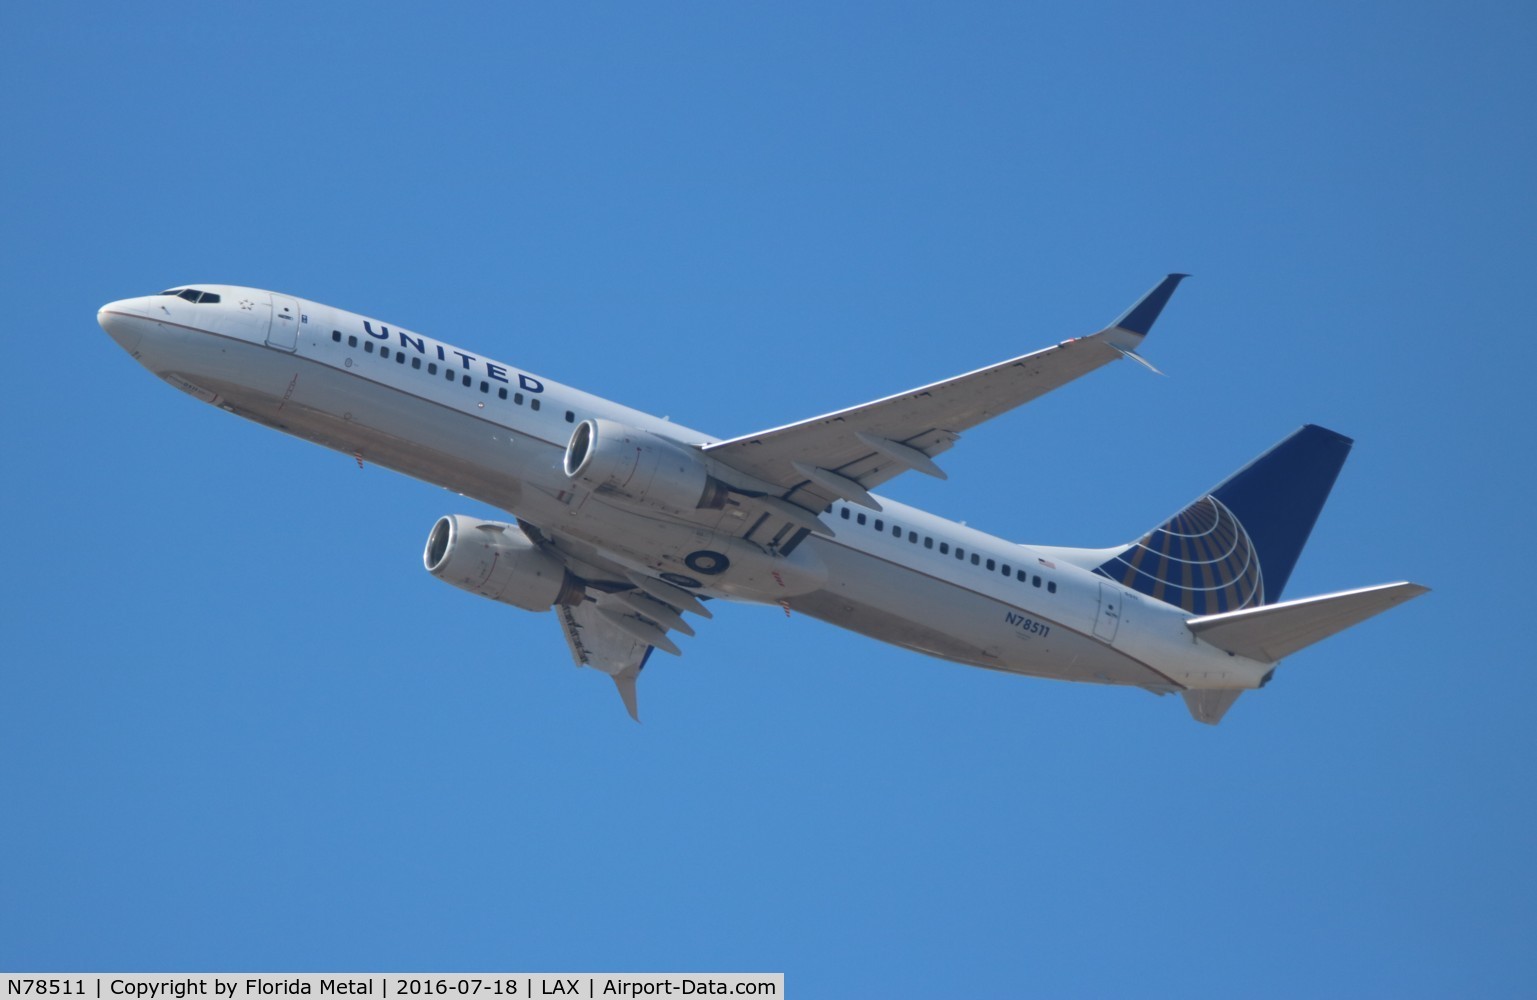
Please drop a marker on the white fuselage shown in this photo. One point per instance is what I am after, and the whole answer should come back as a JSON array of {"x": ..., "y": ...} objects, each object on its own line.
[{"x": 493, "y": 432}]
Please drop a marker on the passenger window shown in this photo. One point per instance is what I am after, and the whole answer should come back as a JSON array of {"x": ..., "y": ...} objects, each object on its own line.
[
  {"x": 368, "y": 347},
  {"x": 1021, "y": 576},
  {"x": 517, "y": 397},
  {"x": 533, "y": 404},
  {"x": 467, "y": 381},
  {"x": 928, "y": 541},
  {"x": 485, "y": 387},
  {"x": 976, "y": 560},
  {"x": 501, "y": 393},
  {"x": 1035, "y": 582},
  {"x": 416, "y": 362},
  {"x": 992, "y": 565},
  {"x": 896, "y": 530},
  {"x": 432, "y": 368},
  {"x": 912, "y": 536},
  {"x": 944, "y": 548},
  {"x": 1007, "y": 571},
  {"x": 571, "y": 419},
  {"x": 880, "y": 524},
  {"x": 844, "y": 513},
  {"x": 336, "y": 335},
  {"x": 860, "y": 519},
  {"x": 1051, "y": 587},
  {"x": 400, "y": 357},
  {"x": 384, "y": 352},
  {"x": 960, "y": 553},
  {"x": 352, "y": 341}
]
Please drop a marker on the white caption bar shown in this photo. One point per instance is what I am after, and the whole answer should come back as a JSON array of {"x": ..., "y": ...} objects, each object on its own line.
[{"x": 402, "y": 985}]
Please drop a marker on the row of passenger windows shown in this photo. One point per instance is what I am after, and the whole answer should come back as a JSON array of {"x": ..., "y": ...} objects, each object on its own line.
[
  {"x": 449, "y": 373},
  {"x": 192, "y": 295},
  {"x": 945, "y": 549}
]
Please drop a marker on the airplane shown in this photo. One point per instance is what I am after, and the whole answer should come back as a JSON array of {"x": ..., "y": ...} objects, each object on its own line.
[{"x": 626, "y": 525}]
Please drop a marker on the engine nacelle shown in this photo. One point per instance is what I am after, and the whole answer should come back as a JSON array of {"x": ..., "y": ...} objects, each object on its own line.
[
  {"x": 640, "y": 467},
  {"x": 498, "y": 561}
]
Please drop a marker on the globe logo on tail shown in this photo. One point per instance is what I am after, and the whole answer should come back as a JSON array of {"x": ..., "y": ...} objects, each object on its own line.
[{"x": 1201, "y": 560}]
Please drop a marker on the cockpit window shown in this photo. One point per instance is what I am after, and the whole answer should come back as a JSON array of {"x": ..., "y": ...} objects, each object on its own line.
[{"x": 192, "y": 295}]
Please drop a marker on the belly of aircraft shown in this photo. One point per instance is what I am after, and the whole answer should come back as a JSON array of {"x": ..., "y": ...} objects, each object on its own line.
[
  {"x": 1078, "y": 658},
  {"x": 919, "y": 611}
]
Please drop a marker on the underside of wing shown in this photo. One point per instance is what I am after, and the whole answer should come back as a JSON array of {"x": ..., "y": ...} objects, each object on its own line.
[
  {"x": 596, "y": 641},
  {"x": 623, "y": 616},
  {"x": 843, "y": 455}
]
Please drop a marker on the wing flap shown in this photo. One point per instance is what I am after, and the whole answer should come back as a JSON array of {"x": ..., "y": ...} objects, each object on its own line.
[
  {"x": 1274, "y": 631},
  {"x": 596, "y": 642}
]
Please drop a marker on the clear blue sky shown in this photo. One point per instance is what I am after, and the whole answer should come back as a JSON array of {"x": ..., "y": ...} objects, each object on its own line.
[{"x": 241, "y": 729}]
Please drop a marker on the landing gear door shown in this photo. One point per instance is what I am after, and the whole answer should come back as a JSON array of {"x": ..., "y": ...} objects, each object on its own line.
[{"x": 284, "y": 332}]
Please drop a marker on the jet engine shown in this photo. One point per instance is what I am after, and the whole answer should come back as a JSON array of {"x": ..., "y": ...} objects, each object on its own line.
[
  {"x": 640, "y": 467},
  {"x": 498, "y": 561}
]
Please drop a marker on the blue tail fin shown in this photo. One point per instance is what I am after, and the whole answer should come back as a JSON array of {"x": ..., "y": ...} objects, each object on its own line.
[{"x": 1236, "y": 546}]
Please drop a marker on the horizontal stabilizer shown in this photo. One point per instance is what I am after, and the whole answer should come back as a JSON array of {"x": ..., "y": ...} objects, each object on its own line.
[
  {"x": 1274, "y": 631},
  {"x": 1209, "y": 706}
]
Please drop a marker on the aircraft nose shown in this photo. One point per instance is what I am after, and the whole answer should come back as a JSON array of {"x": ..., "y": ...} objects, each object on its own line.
[{"x": 121, "y": 320}]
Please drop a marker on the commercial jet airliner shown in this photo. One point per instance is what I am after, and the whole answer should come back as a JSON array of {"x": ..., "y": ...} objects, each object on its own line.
[{"x": 626, "y": 524}]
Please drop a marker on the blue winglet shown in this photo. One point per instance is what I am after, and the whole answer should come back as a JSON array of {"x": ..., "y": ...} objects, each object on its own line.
[{"x": 1139, "y": 318}]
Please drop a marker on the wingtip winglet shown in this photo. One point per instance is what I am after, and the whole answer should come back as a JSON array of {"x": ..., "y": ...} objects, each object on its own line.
[
  {"x": 625, "y": 682},
  {"x": 1139, "y": 318}
]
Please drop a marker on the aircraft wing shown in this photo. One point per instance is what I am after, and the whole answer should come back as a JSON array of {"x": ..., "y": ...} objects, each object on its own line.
[
  {"x": 616, "y": 631},
  {"x": 623, "y": 618},
  {"x": 596, "y": 641},
  {"x": 843, "y": 455}
]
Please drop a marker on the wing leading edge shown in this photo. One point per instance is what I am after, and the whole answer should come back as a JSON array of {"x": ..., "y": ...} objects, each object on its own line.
[{"x": 845, "y": 454}]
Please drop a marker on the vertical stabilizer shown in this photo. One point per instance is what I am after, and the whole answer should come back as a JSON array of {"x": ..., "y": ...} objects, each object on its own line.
[{"x": 1236, "y": 546}]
